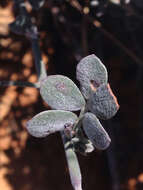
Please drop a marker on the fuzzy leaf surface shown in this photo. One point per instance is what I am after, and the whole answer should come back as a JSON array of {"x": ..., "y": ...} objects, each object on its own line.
[
  {"x": 49, "y": 122},
  {"x": 90, "y": 69},
  {"x": 103, "y": 103},
  {"x": 95, "y": 132},
  {"x": 60, "y": 92}
]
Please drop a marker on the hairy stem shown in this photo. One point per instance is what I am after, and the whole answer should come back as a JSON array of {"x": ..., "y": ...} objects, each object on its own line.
[
  {"x": 73, "y": 165},
  {"x": 72, "y": 160},
  {"x": 71, "y": 157},
  {"x": 40, "y": 67},
  {"x": 77, "y": 125}
]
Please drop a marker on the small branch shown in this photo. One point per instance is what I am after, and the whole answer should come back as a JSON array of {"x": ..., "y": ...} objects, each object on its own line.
[
  {"x": 40, "y": 67},
  {"x": 19, "y": 83},
  {"x": 73, "y": 165},
  {"x": 71, "y": 157},
  {"x": 78, "y": 123},
  {"x": 33, "y": 36}
]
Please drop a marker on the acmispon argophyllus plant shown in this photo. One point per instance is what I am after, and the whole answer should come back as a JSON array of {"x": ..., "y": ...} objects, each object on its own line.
[
  {"x": 80, "y": 133},
  {"x": 95, "y": 100}
]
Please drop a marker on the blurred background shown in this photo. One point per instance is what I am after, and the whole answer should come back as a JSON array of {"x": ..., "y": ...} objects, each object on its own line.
[{"x": 68, "y": 31}]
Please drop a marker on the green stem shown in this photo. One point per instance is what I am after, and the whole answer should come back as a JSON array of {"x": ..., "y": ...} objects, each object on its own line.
[
  {"x": 79, "y": 121},
  {"x": 71, "y": 157},
  {"x": 73, "y": 165},
  {"x": 40, "y": 67}
]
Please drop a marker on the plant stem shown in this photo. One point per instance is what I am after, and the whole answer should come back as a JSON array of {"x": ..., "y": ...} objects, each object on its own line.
[
  {"x": 71, "y": 157},
  {"x": 73, "y": 165},
  {"x": 78, "y": 123},
  {"x": 40, "y": 67}
]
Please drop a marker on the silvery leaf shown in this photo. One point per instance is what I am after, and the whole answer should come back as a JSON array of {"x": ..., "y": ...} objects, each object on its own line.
[
  {"x": 91, "y": 72},
  {"x": 60, "y": 92},
  {"x": 95, "y": 132},
  {"x": 48, "y": 122},
  {"x": 36, "y": 4},
  {"x": 103, "y": 103}
]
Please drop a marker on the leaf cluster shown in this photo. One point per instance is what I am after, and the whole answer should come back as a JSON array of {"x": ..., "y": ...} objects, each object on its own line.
[{"x": 95, "y": 101}]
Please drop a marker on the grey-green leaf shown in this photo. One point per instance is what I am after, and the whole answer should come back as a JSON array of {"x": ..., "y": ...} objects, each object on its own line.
[
  {"x": 95, "y": 132},
  {"x": 91, "y": 71},
  {"x": 60, "y": 92},
  {"x": 48, "y": 122},
  {"x": 103, "y": 103}
]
